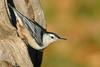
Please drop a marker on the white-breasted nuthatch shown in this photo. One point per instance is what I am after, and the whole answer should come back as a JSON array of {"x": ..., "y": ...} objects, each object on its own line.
[{"x": 33, "y": 32}]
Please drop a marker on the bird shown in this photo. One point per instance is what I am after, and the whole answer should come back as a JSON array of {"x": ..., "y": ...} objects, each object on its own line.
[
  {"x": 34, "y": 35},
  {"x": 42, "y": 37}
]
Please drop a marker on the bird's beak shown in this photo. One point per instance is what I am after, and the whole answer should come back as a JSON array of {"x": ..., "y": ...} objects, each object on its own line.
[{"x": 63, "y": 38}]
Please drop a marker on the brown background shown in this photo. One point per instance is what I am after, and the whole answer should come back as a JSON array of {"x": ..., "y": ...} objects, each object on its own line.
[{"x": 79, "y": 21}]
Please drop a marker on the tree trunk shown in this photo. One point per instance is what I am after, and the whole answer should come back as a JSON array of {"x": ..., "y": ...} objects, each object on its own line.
[{"x": 13, "y": 51}]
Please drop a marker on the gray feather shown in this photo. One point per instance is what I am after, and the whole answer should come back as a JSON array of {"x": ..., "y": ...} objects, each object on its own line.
[{"x": 36, "y": 31}]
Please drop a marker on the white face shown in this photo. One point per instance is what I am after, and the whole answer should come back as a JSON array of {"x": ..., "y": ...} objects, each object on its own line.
[{"x": 48, "y": 39}]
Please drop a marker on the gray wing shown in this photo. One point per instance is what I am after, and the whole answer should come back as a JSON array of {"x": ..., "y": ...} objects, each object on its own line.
[{"x": 35, "y": 30}]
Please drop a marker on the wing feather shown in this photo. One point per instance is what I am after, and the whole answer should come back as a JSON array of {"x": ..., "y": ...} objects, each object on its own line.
[{"x": 36, "y": 31}]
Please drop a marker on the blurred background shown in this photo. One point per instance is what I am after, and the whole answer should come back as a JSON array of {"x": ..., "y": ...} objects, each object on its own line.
[{"x": 79, "y": 22}]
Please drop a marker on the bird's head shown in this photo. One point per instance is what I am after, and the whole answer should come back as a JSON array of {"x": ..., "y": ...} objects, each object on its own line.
[{"x": 50, "y": 37}]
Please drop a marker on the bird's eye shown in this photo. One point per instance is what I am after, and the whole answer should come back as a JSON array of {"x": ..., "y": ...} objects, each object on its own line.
[{"x": 52, "y": 37}]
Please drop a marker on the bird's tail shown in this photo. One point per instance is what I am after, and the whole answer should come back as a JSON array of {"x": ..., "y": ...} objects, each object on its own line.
[{"x": 18, "y": 15}]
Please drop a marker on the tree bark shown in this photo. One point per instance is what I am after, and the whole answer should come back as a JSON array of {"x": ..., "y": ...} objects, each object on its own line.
[{"x": 13, "y": 51}]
